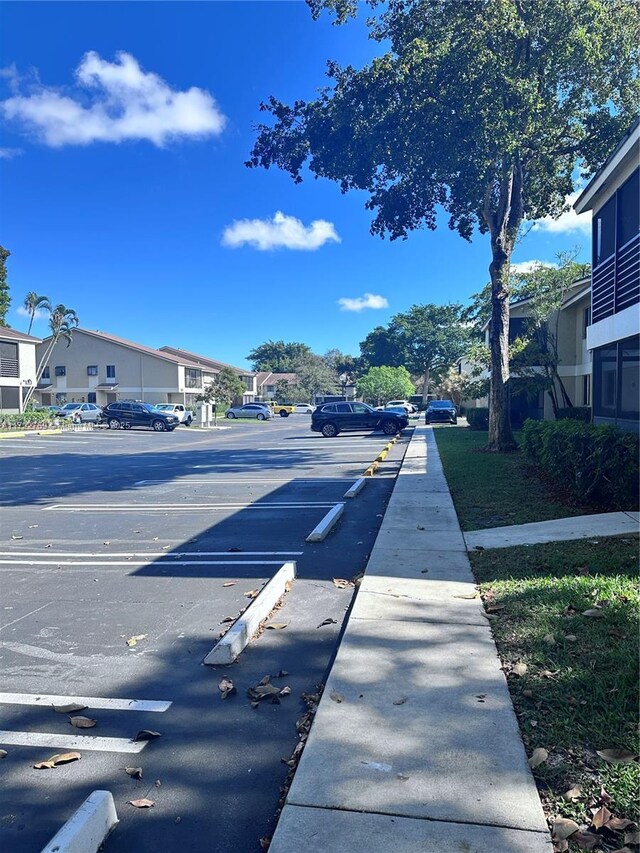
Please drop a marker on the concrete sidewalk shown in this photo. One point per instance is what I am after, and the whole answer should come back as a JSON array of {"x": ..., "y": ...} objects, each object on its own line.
[
  {"x": 415, "y": 745},
  {"x": 557, "y": 530}
]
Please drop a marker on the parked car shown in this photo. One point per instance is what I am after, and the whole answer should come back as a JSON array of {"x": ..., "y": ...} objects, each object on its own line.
[
  {"x": 53, "y": 409},
  {"x": 261, "y": 411},
  {"x": 184, "y": 415},
  {"x": 303, "y": 408},
  {"x": 441, "y": 410},
  {"x": 332, "y": 418},
  {"x": 124, "y": 415},
  {"x": 87, "y": 412},
  {"x": 410, "y": 408},
  {"x": 282, "y": 409},
  {"x": 399, "y": 410}
]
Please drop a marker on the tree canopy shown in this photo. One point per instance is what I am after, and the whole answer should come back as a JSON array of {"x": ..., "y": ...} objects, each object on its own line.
[
  {"x": 381, "y": 384},
  {"x": 277, "y": 356},
  {"x": 480, "y": 108}
]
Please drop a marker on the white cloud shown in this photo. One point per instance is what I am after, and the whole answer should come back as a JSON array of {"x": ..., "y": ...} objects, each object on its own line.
[
  {"x": 116, "y": 101},
  {"x": 359, "y": 303},
  {"x": 530, "y": 266},
  {"x": 567, "y": 222},
  {"x": 280, "y": 232},
  {"x": 40, "y": 314},
  {"x": 8, "y": 153}
]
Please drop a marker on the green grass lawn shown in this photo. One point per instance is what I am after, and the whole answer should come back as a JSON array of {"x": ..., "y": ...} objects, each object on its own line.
[
  {"x": 493, "y": 489},
  {"x": 579, "y": 693}
]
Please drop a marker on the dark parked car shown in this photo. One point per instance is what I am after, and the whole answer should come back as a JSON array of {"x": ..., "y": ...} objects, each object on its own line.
[
  {"x": 126, "y": 415},
  {"x": 332, "y": 418},
  {"x": 441, "y": 411}
]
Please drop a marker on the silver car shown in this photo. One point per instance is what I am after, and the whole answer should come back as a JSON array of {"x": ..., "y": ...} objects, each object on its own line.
[
  {"x": 250, "y": 410},
  {"x": 86, "y": 412}
]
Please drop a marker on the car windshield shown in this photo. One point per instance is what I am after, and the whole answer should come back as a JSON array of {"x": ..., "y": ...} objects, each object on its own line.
[
  {"x": 163, "y": 406},
  {"x": 147, "y": 407},
  {"x": 69, "y": 407},
  {"x": 441, "y": 404}
]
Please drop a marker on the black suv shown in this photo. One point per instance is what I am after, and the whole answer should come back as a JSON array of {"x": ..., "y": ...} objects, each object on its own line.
[
  {"x": 332, "y": 418},
  {"x": 126, "y": 415},
  {"x": 441, "y": 410}
]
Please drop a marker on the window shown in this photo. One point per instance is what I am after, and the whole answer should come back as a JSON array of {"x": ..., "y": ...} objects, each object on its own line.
[
  {"x": 343, "y": 408},
  {"x": 60, "y": 370},
  {"x": 46, "y": 373},
  {"x": 586, "y": 321},
  {"x": 586, "y": 390},
  {"x": 616, "y": 375},
  {"x": 628, "y": 210},
  {"x": 92, "y": 370},
  {"x": 192, "y": 377},
  {"x": 111, "y": 371},
  {"x": 604, "y": 232},
  {"x": 629, "y": 373},
  {"x": 329, "y": 408},
  {"x": 91, "y": 397}
]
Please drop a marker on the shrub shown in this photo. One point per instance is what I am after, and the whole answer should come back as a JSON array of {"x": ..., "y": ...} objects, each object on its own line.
[
  {"x": 28, "y": 420},
  {"x": 576, "y": 413},
  {"x": 592, "y": 465},
  {"x": 478, "y": 418}
]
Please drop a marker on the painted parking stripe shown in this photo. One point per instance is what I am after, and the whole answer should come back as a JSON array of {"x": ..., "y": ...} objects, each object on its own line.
[
  {"x": 51, "y": 554},
  {"x": 95, "y": 744},
  {"x": 248, "y": 480},
  {"x": 93, "y": 702},
  {"x": 140, "y": 563},
  {"x": 182, "y": 507}
]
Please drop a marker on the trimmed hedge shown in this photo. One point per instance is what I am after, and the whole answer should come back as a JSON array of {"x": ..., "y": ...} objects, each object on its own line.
[
  {"x": 592, "y": 465},
  {"x": 28, "y": 420},
  {"x": 478, "y": 419},
  {"x": 575, "y": 413}
]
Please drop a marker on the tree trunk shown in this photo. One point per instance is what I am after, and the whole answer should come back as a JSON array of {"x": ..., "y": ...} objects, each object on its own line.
[
  {"x": 40, "y": 371},
  {"x": 500, "y": 434},
  {"x": 425, "y": 389}
]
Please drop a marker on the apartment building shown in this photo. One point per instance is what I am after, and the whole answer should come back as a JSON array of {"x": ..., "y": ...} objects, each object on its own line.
[
  {"x": 101, "y": 368},
  {"x": 613, "y": 336},
  {"x": 17, "y": 368},
  {"x": 211, "y": 368}
]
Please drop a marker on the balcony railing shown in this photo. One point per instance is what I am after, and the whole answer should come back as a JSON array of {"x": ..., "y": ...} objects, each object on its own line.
[
  {"x": 9, "y": 367},
  {"x": 616, "y": 281}
]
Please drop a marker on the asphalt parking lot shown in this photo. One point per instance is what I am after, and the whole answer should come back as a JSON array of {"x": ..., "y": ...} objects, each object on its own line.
[{"x": 109, "y": 536}]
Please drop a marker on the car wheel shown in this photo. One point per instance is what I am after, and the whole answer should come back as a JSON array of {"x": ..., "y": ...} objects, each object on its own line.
[
  {"x": 114, "y": 423},
  {"x": 329, "y": 430},
  {"x": 427, "y": 421},
  {"x": 171, "y": 429},
  {"x": 260, "y": 416},
  {"x": 389, "y": 427},
  {"x": 230, "y": 415},
  {"x": 159, "y": 426},
  {"x": 284, "y": 414},
  {"x": 454, "y": 421},
  {"x": 188, "y": 422}
]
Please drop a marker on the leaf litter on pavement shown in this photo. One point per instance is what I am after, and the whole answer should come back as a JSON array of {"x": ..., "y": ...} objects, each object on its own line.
[{"x": 58, "y": 759}]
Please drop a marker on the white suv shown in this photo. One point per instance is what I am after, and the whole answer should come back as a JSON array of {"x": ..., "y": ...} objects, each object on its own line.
[
  {"x": 184, "y": 415},
  {"x": 407, "y": 405}
]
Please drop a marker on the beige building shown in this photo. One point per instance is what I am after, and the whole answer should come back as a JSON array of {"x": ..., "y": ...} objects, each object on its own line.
[
  {"x": 17, "y": 369},
  {"x": 211, "y": 368},
  {"x": 101, "y": 368}
]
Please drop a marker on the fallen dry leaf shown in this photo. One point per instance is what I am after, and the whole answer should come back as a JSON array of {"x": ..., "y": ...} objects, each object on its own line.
[
  {"x": 336, "y": 697},
  {"x": 632, "y": 837},
  {"x": 563, "y": 828},
  {"x": 469, "y": 595},
  {"x": 593, "y": 612},
  {"x": 402, "y": 777},
  {"x": 3, "y": 753},
  {"x": 341, "y": 583},
  {"x": 68, "y": 709},
  {"x": 227, "y": 619},
  {"x": 133, "y": 641},
  {"x": 327, "y": 622},
  {"x": 573, "y": 794},
  {"x": 16, "y": 537},
  {"x": 494, "y": 608},
  {"x": 400, "y": 701},
  {"x": 586, "y": 840},
  {"x": 55, "y": 760},
  {"x": 147, "y": 734},
  {"x": 264, "y": 842},
  {"x": 142, "y": 804},
  {"x": 617, "y": 824},
  {"x": 286, "y": 691},
  {"x": 263, "y": 690},
  {"x": 570, "y": 638},
  {"x": 252, "y": 593},
  {"x": 538, "y": 757},
  {"x": 277, "y": 626},
  {"x": 226, "y": 688},
  {"x": 520, "y": 669},
  {"x": 616, "y": 756},
  {"x": 134, "y": 772},
  {"x": 617, "y": 633},
  {"x": 82, "y": 722},
  {"x": 229, "y": 583},
  {"x": 601, "y": 817},
  {"x": 549, "y": 639}
]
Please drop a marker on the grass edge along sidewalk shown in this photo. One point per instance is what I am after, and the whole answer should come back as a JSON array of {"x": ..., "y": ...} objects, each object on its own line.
[
  {"x": 493, "y": 489},
  {"x": 565, "y": 619}
]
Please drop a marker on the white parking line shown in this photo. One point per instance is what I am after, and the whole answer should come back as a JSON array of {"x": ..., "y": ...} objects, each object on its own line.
[
  {"x": 181, "y": 507},
  {"x": 241, "y": 480},
  {"x": 96, "y": 744},
  {"x": 51, "y": 554},
  {"x": 141, "y": 563},
  {"x": 94, "y": 702}
]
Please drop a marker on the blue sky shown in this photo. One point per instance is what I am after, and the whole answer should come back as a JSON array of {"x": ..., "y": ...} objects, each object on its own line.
[{"x": 143, "y": 216}]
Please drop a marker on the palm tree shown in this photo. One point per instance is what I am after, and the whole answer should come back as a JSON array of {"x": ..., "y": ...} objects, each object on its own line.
[
  {"x": 62, "y": 322},
  {"x": 34, "y": 303}
]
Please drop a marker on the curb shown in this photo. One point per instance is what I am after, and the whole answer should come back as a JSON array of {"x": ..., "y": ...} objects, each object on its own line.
[
  {"x": 13, "y": 435},
  {"x": 243, "y": 629},
  {"x": 88, "y": 827},
  {"x": 370, "y": 471},
  {"x": 355, "y": 489},
  {"x": 25, "y": 433},
  {"x": 322, "y": 530}
]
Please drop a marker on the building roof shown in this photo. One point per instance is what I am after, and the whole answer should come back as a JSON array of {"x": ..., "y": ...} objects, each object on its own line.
[
  {"x": 204, "y": 360},
  {"x": 114, "y": 339},
  {"x": 266, "y": 377},
  {"x": 606, "y": 172},
  {"x": 12, "y": 335}
]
